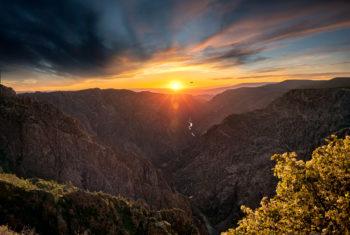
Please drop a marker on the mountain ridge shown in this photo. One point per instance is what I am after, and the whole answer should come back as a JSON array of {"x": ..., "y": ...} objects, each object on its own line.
[
  {"x": 152, "y": 125},
  {"x": 247, "y": 99}
]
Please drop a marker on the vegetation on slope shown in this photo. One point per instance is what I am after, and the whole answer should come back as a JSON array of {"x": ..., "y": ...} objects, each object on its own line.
[
  {"x": 4, "y": 230},
  {"x": 311, "y": 197},
  {"x": 52, "y": 208}
]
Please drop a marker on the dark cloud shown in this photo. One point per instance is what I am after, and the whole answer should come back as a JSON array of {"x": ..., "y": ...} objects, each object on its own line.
[
  {"x": 237, "y": 55},
  {"x": 59, "y": 36},
  {"x": 241, "y": 56},
  {"x": 83, "y": 37},
  {"x": 297, "y": 75}
]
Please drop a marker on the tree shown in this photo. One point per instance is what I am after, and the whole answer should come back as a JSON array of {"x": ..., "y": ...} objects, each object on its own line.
[{"x": 311, "y": 196}]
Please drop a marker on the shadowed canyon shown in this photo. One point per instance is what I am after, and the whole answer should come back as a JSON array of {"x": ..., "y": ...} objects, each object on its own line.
[{"x": 169, "y": 151}]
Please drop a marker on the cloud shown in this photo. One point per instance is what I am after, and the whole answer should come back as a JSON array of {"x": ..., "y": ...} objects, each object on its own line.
[
  {"x": 277, "y": 20},
  {"x": 229, "y": 56},
  {"x": 65, "y": 37},
  {"x": 296, "y": 75},
  {"x": 88, "y": 38},
  {"x": 36, "y": 34}
]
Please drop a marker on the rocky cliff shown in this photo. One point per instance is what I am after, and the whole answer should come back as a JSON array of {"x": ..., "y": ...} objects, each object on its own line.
[
  {"x": 230, "y": 165},
  {"x": 38, "y": 140},
  {"x": 150, "y": 124}
]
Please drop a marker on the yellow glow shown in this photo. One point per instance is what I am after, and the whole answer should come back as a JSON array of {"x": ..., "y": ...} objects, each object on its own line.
[
  {"x": 176, "y": 85},
  {"x": 169, "y": 71}
]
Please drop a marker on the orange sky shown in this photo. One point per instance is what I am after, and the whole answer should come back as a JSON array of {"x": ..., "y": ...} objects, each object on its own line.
[
  {"x": 169, "y": 66},
  {"x": 198, "y": 44},
  {"x": 160, "y": 74}
]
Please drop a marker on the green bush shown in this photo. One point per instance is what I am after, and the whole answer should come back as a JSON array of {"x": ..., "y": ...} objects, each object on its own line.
[{"x": 312, "y": 197}]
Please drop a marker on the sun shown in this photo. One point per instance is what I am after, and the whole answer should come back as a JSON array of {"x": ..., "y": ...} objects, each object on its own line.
[{"x": 176, "y": 85}]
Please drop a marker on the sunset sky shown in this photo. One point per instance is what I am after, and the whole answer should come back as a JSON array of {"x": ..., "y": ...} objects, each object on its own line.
[{"x": 145, "y": 44}]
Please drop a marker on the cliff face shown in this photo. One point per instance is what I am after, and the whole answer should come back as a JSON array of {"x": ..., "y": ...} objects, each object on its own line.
[
  {"x": 38, "y": 140},
  {"x": 150, "y": 124},
  {"x": 230, "y": 165}
]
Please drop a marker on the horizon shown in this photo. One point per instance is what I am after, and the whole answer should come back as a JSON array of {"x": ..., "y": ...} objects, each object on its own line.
[
  {"x": 206, "y": 93},
  {"x": 198, "y": 44}
]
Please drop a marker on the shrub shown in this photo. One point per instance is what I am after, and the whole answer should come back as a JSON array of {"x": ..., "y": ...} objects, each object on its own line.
[{"x": 311, "y": 196}]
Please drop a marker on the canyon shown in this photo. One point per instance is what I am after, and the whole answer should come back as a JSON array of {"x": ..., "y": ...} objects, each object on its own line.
[{"x": 171, "y": 150}]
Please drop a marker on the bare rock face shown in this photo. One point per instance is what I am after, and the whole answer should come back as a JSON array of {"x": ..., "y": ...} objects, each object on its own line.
[
  {"x": 230, "y": 165},
  {"x": 38, "y": 140},
  {"x": 150, "y": 124}
]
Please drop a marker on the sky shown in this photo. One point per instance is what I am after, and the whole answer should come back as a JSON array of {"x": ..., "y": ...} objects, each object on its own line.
[{"x": 150, "y": 44}]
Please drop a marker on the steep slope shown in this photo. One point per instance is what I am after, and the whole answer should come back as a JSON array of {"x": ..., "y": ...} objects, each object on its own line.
[
  {"x": 247, "y": 99},
  {"x": 153, "y": 125},
  {"x": 51, "y": 208},
  {"x": 230, "y": 164},
  {"x": 156, "y": 126},
  {"x": 38, "y": 140}
]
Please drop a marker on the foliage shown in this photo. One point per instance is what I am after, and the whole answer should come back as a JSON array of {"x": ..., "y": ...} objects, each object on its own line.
[
  {"x": 52, "y": 208},
  {"x": 4, "y": 230},
  {"x": 311, "y": 197},
  {"x": 49, "y": 186}
]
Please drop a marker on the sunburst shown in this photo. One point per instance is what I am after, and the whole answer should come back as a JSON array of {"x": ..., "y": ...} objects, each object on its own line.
[{"x": 176, "y": 85}]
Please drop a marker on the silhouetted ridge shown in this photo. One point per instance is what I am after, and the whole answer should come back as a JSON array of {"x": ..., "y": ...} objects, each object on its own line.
[{"x": 247, "y": 99}]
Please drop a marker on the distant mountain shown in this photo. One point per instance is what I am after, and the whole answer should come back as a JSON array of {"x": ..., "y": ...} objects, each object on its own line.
[
  {"x": 50, "y": 208},
  {"x": 149, "y": 124},
  {"x": 38, "y": 140},
  {"x": 246, "y": 99},
  {"x": 230, "y": 164},
  {"x": 214, "y": 91},
  {"x": 206, "y": 93},
  {"x": 333, "y": 83}
]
